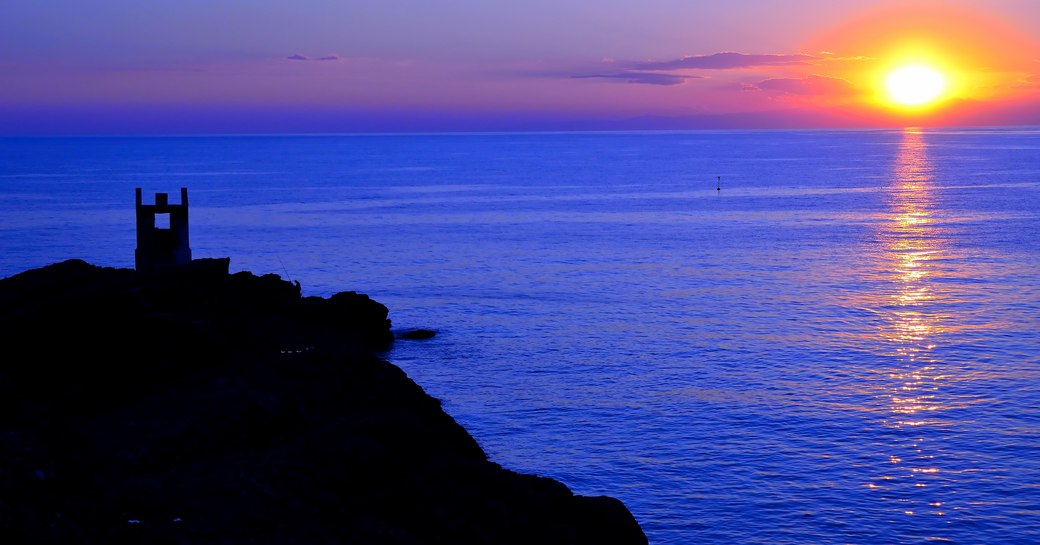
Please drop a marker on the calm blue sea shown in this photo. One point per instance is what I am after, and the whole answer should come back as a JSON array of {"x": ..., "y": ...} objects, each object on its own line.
[{"x": 807, "y": 337}]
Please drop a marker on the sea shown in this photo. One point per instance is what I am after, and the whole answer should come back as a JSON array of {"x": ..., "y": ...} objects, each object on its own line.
[{"x": 748, "y": 337}]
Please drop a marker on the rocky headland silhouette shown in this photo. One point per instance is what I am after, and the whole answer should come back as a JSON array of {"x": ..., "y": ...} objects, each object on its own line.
[{"x": 192, "y": 405}]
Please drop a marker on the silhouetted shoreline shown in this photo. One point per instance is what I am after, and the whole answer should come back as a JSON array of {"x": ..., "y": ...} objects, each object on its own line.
[{"x": 198, "y": 406}]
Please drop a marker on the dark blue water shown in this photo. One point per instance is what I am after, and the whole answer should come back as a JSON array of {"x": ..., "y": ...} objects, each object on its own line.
[{"x": 838, "y": 346}]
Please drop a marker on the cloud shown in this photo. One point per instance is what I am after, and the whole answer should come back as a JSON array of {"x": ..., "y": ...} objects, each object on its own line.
[
  {"x": 1028, "y": 81},
  {"x": 667, "y": 72},
  {"x": 648, "y": 78},
  {"x": 299, "y": 57},
  {"x": 726, "y": 61},
  {"x": 812, "y": 85}
]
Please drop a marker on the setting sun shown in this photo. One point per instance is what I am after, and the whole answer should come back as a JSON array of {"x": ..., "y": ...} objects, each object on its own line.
[{"x": 915, "y": 85}]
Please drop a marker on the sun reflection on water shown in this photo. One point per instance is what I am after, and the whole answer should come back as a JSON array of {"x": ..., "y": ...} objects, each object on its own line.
[
  {"x": 911, "y": 244},
  {"x": 911, "y": 247}
]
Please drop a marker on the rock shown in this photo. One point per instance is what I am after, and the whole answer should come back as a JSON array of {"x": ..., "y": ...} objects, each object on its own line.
[
  {"x": 197, "y": 406},
  {"x": 416, "y": 334}
]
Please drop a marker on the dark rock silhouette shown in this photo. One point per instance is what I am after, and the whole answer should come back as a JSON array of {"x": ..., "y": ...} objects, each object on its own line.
[
  {"x": 416, "y": 334},
  {"x": 198, "y": 406}
]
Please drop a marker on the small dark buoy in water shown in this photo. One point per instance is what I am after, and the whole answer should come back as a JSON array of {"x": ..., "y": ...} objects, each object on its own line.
[{"x": 719, "y": 186}]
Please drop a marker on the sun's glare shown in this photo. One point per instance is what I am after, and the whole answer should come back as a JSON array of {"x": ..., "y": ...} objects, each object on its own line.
[{"x": 915, "y": 85}]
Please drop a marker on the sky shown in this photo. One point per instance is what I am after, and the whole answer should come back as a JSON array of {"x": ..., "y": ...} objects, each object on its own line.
[{"x": 343, "y": 66}]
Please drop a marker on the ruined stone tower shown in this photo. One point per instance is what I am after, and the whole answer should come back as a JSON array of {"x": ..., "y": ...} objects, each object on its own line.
[{"x": 162, "y": 233}]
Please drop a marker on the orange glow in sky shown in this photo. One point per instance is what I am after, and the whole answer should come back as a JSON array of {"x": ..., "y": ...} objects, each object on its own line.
[{"x": 922, "y": 60}]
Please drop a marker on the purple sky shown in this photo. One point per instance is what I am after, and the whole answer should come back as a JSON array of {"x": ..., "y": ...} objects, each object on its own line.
[{"x": 219, "y": 66}]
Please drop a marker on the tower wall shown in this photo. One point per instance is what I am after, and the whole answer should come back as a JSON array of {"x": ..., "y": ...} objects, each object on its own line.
[{"x": 162, "y": 246}]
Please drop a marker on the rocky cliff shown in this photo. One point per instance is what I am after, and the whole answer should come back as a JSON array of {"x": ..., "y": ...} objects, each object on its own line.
[{"x": 199, "y": 406}]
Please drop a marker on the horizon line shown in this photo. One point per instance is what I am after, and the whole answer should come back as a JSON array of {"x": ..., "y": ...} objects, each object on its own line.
[{"x": 462, "y": 132}]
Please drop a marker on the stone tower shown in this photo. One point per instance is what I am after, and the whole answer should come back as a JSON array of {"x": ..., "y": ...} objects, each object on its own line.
[{"x": 162, "y": 233}]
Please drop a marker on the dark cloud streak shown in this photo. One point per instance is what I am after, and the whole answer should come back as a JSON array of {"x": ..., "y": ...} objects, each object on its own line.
[
  {"x": 807, "y": 86},
  {"x": 727, "y": 61},
  {"x": 298, "y": 57},
  {"x": 647, "y": 78}
]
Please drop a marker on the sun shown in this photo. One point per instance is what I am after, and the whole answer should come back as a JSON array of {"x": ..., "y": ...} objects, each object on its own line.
[{"x": 915, "y": 85}]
